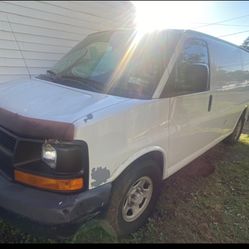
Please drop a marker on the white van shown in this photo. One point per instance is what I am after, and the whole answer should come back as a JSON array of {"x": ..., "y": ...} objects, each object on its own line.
[{"x": 118, "y": 114}]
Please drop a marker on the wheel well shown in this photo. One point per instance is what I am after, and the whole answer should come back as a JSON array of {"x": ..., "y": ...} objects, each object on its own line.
[
  {"x": 245, "y": 113},
  {"x": 156, "y": 156}
]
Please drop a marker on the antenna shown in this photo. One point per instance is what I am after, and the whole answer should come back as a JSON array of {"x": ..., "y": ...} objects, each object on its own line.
[{"x": 26, "y": 66}]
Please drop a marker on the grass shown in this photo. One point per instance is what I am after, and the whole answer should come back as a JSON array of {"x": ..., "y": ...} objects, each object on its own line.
[{"x": 205, "y": 202}]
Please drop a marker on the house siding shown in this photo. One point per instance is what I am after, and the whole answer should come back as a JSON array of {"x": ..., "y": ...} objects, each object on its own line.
[{"x": 35, "y": 34}]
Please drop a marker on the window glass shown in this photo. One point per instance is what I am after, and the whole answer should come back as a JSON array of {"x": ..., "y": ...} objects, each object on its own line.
[
  {"x": 245, "y": 75},
  {"x": 191, "y": 71},
  {"x": 99, "y": 58},
  {"x": 115, "y": 63},
  {"x": 144, "y": 69},
  {"x": 195, "y": 51},
  {"x": 227, "y": 65}
]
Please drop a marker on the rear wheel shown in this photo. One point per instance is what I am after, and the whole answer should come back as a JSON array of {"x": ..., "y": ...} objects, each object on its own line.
[
  {"x": 234, "y": 137},
  {"x": 133, "y": 198}
]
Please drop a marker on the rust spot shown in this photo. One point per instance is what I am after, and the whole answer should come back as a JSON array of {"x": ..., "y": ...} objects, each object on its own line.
[{"x": 100, "y": 175}]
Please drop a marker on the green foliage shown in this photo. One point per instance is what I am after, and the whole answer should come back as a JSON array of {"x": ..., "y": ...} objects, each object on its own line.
[{"x": 245, "y": 44}]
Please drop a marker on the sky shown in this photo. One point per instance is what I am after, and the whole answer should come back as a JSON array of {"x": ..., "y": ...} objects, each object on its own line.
[{"x": 218, "y": 18}]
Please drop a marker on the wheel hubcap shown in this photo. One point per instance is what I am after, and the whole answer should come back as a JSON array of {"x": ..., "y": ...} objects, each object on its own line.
[{"x": 137, "y": 199}]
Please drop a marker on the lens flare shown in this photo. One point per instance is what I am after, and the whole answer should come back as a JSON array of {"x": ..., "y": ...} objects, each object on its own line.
[{"x": 157, "y": 15}]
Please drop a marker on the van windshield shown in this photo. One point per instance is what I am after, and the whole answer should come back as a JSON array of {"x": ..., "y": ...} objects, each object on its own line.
[{"x": 113, "y": 62}]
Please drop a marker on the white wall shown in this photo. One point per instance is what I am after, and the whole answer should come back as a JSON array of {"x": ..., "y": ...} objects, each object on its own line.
[{"x": 43, "y": 31}]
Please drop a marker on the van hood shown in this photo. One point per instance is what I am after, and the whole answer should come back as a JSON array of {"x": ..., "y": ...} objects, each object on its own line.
[
  {"x": 39, "y": 108},
  {"x": 42, "y": 99}
]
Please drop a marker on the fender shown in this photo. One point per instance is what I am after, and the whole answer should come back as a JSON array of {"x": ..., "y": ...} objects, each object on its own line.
[{"x": 136, "y": 156}]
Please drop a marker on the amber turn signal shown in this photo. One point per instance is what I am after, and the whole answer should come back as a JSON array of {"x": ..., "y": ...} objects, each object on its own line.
[{"x": 49, "y": 183}]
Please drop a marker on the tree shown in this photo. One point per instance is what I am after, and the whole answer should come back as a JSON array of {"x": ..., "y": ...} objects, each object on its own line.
[{"x": 245, "y": 44}]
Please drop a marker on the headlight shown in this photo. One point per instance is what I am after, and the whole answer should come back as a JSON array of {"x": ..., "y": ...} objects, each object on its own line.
[
  {"x": 52, "y": 164},
  {"x": 49, "y": 155},
  {"x": 65, "y": 157}
]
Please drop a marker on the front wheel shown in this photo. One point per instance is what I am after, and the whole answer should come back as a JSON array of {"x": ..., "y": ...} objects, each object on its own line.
[{"x": 133, "y": 198}]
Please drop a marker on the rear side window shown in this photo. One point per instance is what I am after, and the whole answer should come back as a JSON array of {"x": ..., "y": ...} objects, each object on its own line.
[
  {"x": 227, "y": 63},
  {"x": 190, "y": 73},
  {"x": 245, "y": 74}
]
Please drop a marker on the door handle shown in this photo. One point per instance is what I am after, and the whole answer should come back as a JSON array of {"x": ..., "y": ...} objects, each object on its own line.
[{"x": 210, "y": 102}]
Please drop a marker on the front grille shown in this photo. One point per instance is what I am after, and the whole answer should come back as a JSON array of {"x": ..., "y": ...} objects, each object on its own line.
[
  {"x": 7, "y": 149},
  {"x": 6, "y": 165},
  {"x": 6, "y": 141}
]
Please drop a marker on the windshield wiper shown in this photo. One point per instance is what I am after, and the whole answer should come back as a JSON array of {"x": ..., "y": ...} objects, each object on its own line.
[
  {"x": 73, "y": 81},
  {"x": 50, "y": 75},
  {"x": 51, "y": 72},
  {"x": 86, "y": 84}
]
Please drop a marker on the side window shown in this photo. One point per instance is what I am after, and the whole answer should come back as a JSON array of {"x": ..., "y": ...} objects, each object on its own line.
[
  {"x": 191, "y": 71},
  {"x": 227, "y": 61},
  {"x": 245, "y": 75}
]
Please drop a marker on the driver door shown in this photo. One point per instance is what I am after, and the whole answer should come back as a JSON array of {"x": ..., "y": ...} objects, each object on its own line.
[{"x": 188, "y": 91}]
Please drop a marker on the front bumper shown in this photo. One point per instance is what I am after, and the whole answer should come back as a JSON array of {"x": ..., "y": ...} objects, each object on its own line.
[{"x": 47, "y": 212}]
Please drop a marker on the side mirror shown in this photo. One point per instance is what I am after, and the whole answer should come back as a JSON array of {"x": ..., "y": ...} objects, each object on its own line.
[
  {"x": 187, "y": 78},
  {"x": 197, "y": 77}
]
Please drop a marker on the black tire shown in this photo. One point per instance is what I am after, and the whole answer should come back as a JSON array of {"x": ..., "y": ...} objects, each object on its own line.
[
  {"x": 234, "y": 137},
  {"x": 114, "y": 218}
]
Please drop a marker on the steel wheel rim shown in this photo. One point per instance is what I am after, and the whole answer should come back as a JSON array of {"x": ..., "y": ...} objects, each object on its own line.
[{"x": 137, "y": 199}]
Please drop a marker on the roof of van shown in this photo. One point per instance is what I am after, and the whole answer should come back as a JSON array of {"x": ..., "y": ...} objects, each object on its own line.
[
  {"x": 215, "y": 38},
  {"x": 180, "y": 31}
]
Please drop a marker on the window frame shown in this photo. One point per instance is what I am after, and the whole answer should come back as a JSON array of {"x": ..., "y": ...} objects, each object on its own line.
[{"x": 164, "y": 93}]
